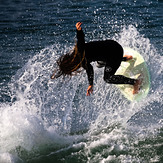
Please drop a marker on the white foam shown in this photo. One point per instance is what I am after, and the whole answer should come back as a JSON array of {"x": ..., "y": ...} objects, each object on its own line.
[
  {"x": 8, "y": 158},
  {"x": 44, "y": 112}
]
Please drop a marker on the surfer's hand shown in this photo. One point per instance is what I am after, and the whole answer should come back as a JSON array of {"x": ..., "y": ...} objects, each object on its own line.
[
  {"x": 89, "y": 90},
  {"x": 78, "y": 26}
]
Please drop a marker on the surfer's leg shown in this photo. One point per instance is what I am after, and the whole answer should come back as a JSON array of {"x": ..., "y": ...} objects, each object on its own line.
[
  {"x": 118, "y": 79},
  {"x": 109, "y": 76},
  {"x": 101, "y": 64}
]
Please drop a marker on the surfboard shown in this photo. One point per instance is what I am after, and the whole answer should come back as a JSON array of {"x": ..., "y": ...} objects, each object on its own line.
[{"x": 133, "y": 69}]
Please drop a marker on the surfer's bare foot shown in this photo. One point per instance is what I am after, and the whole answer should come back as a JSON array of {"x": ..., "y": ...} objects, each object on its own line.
[
  {"x": 128, "y": 57},
  {"x": 137, "y": 86}
]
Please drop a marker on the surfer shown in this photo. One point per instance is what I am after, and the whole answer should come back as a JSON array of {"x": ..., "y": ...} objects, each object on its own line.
[{"x": 107, "y": 53}]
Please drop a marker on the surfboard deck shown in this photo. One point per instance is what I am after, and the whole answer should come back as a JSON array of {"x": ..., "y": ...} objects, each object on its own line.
[{"x": 133, "y": 69}]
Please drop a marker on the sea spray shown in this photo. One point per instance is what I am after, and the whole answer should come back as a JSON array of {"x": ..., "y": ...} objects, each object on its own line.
[{"x": 51, "y": 117}]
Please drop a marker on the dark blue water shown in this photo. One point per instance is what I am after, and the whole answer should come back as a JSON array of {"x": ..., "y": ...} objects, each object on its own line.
[{"x": 53, "y": 121}]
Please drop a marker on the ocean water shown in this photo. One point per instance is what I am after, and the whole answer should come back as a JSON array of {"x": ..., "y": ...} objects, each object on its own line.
[{"x": 53, "y": 121}]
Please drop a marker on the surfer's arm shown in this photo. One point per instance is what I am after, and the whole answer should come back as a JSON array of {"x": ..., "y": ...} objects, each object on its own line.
[
  {"x": 88, "y": 67},
  {"x": 80, "y": 38},
  {"x": 90, "y": 74}
]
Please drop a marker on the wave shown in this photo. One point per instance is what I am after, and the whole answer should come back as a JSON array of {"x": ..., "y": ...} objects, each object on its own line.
[{"x": 48, "y": 119}]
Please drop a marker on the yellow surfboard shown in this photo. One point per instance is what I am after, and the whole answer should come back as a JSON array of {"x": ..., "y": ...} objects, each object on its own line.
[{"x": 132, "y": 69}]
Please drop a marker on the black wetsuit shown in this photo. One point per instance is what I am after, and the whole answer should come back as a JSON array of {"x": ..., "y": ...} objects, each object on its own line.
[{"x": 109, "y": 51}]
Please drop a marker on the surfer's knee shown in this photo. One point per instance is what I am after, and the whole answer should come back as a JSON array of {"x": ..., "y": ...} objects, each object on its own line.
[
  {"x": 107, "y": 78},
  {"x": 108, "y": 73}
]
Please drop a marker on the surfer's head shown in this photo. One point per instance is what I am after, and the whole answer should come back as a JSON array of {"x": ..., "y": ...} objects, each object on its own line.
[{"x": 70, "y": 63}]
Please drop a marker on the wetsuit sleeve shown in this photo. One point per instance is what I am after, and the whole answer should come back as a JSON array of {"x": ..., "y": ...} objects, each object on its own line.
[
  {"x": 81, "y": 47},
  {"x": 80, "y": 41},
  {"x": 90, "y": 73}
]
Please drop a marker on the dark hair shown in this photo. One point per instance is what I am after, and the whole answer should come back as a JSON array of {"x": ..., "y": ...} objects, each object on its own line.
[{"x": 70, "y": 63}]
